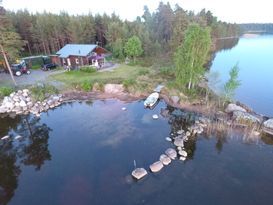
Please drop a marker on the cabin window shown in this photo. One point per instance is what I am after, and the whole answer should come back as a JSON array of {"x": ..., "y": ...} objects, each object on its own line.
[{"x": 77, "y": 61}]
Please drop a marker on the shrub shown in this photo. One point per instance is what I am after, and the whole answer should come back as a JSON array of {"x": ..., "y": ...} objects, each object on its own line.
[
  {"x": 86, "y": 86},
  {"x": 169, "y": 71},
  {"x": 42, "y": 91},
  {"x": 5, "y": 91},
  {"x": 88, "y": 70}
]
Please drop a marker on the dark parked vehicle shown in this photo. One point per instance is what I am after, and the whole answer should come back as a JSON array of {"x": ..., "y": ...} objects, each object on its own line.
[
  {"x": 49, "y": 66},
  {"x": 19, "y": 69}
]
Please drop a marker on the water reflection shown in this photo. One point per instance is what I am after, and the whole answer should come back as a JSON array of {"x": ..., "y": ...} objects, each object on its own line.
[{"x": 31, "y": 149}]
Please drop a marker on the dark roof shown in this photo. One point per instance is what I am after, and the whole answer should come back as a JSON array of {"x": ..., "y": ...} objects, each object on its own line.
[{"x": 76, "y": 50}]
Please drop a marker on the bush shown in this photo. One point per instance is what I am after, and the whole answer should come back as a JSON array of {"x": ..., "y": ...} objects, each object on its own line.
[
  {"x": 88, "y": 70},
  {"x": 128, "y": 82},
  {"x": 5, "y": 91},
  {"x": 86, "y": 86},
  {"x": 42, "y": 91}
]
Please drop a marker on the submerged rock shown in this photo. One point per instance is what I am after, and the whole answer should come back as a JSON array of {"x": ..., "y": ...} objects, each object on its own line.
[
  {"x": 155, "y": 117},
  {"x": 18, "y": 137},
  {"x": 139, "y": 173},
  {"x": 156, "y": 167},
  {"x": 165, "y": 159},
  {"x": 182, "y": 158},
  {"x": 170, "y": 152}
]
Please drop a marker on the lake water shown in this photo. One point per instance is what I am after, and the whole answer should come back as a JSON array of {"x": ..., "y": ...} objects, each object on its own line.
[
  {"x": 255, "y": 60},
  {"x": 83, "y": 153}
]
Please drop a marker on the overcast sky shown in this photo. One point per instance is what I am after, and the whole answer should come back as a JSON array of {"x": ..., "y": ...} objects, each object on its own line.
[{"x": 239, "y": 11}]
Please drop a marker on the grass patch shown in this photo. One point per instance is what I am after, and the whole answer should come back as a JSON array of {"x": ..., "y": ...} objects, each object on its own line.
[
  {"x": 86, "y": 86},
  {"x": 5, "y": 91},
  {"x": 88, "y": 69},
  {"x": 123, "y": 72},
  {"x": 43, "y": 91}
]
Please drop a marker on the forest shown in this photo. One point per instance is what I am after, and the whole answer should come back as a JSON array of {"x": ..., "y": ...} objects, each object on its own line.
[
  {"x": 256, "y": 27},
  {"x": 160, "y": 32}
]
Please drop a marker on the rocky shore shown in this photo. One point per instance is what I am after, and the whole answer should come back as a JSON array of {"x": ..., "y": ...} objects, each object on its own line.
[{"x": 22, "y": 102}]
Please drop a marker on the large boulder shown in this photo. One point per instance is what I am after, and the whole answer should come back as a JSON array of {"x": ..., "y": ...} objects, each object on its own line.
[
  {"x": 139, "y": 173},
  {"x": 156, "y": 167},
  {"x": 268, "y": 124},
  {"x": 233, "y": 107},
  {"x": 113, "y": 88},
  {"x": 245, "y": 118}
]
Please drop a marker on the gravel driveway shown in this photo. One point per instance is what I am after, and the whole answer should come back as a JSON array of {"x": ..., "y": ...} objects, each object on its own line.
[{"x": 36, "y": 76}]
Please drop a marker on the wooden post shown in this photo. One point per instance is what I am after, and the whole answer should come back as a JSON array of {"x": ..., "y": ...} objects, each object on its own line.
[{"x": 7, "y": 63}]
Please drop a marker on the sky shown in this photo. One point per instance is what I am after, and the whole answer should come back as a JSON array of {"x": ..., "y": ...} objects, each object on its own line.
[{"x": 232, "y": 11}]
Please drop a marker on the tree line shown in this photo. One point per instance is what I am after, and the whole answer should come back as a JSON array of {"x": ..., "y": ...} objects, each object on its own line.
[
  {"x": 161, "y": 31},
  {"x": 257, "y": 27}
]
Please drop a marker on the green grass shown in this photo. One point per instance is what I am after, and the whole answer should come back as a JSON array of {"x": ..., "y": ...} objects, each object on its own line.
[
  {"x": 5, "y": 91},
  {"x": 123, "y": 72}
]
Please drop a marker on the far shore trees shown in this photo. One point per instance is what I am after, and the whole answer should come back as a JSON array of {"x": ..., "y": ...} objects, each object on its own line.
[
  {"x": 191, "y": 56},
  {"x": 133, "y": 47}
]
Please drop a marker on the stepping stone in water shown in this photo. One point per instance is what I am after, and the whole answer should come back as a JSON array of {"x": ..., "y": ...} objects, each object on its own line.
[
  {"x": 179, "y": 142},
  {"x": 4, "y": 138},
  {"x": 155, "y": 117},
  {"x": 156, "y": 167},
  {"x": 165, "y": 159},
  {"x": 139, "y": 173},
  {"x": 171, "y": 153}
]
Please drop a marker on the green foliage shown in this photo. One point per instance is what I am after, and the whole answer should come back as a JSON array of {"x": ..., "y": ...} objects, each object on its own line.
[
  {"x": 232, "y": 84},
  {"x": 133, "y": 47},
  {"x": 41, "y": 92},
  {"x": 88, "y": 70},
  {"x": 5, "y": 91},
  {"x": 191, "y": 56},
  {"x": 86, "y": 86},
  {"x": 117, "y": 49}
]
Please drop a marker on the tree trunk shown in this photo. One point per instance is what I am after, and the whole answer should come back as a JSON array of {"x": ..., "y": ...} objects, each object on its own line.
[{"x": 7, "y": 63}]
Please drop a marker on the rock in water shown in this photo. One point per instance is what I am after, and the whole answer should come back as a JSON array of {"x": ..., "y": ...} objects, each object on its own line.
[
  {"x": 165, "y": 159},
  {"x": 124, "y": 108},
  {"x": 268, "y": 124},
  {"x": 182, "y": 158},
  {"x": 180, "y": 132},
  {"x": 183, "y": 153},
  {"x": 179, "y": 142},
  {"x": 18, "y": 137},
  {"x": 170, "y": 152},
  {"x": 156, "y": 167},
  {"x": 4, "y": 138},
  {"x": 139, "y": 173},
  {"x": 155, "y": 117},
  {"x": 168, "y": 139}
]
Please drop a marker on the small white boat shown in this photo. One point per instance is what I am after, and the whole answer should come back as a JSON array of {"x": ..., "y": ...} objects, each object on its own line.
[{"x": 151, "y": 100}]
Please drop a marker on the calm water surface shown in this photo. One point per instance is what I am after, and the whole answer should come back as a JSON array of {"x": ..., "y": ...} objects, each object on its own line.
[
  {"x": 83, "y": 153},
  {"x": 255, "y": 60}
]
